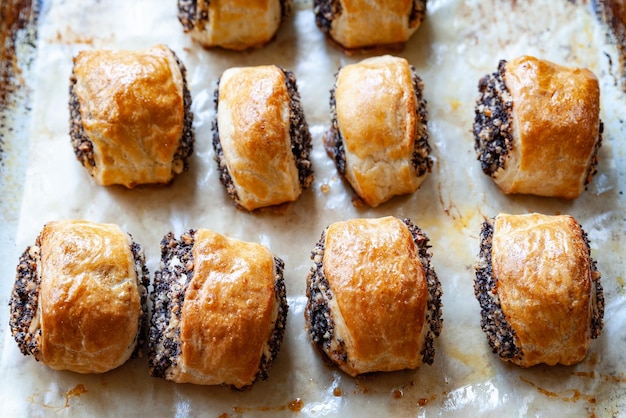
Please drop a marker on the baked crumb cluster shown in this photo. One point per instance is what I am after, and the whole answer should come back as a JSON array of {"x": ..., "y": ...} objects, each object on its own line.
[
  {"x": 24, "y": 302},
  {"x": 434, "y": 316},
  {"x": 321, "y": 325},
  {"x": 499, "y": 333},
  {"x": 493, "y": 123},
  {"x": 185, "y": 148},
  {"x": 597, "y": 292},
  {"x": 276, "y": 339},
  {"x": 325, "y": 11},
  {"x": 422, "y": 160},
  {"x": 170, "y": 283},
  {"x": 299, "y": 132}
]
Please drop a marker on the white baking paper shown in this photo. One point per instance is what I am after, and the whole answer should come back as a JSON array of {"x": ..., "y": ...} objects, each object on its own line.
[{"x": 458, "y": 43}]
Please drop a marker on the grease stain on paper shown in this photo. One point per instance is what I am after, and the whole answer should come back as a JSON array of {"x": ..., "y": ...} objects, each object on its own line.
[{"x": 77, "y": 391}]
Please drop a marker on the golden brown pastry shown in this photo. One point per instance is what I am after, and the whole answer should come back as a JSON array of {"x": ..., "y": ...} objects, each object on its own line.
[
  {"x": 261, "y": 139},
  {"x": 130, "y": 116},
  {"x": 220, "y": 310},
  {"x": 232, "y": 24},
  {"x": 539, "y": 289},
  {"x": 537, "y": 127},
  {"x": 79, "y": 300},
  {"x": 374, "y": 300},
  {"x": 379, "y": 137},
  {"x": 368, "y": 23}
]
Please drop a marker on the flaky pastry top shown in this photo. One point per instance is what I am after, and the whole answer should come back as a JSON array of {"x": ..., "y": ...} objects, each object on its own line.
[
  {"x": 131, "y": 105},
  {"x": 89, "y": 299},
  {"x": 253, "y": 118},
  {"x": 542, "y": 267},
  {"x": 228, "y": 310},
  {"x": 376, "y": 114},
  {"x": 379, "y": 285},
  {"x": 556, "y": 126}
]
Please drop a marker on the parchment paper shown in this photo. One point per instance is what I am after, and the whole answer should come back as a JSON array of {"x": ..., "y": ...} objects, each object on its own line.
[{"x": 459, "y": 42}]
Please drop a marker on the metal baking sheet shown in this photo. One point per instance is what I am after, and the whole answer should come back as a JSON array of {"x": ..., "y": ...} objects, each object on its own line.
[{"x": 459, "y": 42}]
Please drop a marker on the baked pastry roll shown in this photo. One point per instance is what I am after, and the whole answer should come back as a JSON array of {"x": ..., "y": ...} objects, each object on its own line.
[
  {"x": 379, "y": 136},
  {"x": 232, "y": 24},
  {"x": 130, "y": 117},
  {"x": 220, "y": 310},
  {"x": 537, "y": 127},
  {"x": 539, "y": 289},
  {"x": 374, "y": 300},
  {"x": 366, "y": 23},
  {"x": 261, "y": 138},
  {"x": 79, "y": 299}
]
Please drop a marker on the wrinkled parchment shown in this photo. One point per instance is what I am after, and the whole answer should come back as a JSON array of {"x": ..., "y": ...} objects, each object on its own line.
[{"x": 459, "y": 42}]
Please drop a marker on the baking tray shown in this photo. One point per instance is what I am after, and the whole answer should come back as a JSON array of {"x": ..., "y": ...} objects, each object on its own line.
[{"x": 459, "y": 42}]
